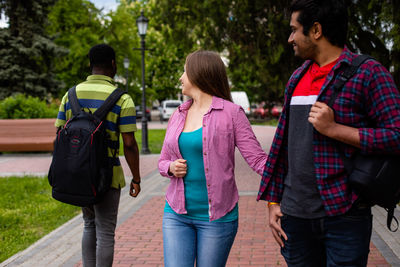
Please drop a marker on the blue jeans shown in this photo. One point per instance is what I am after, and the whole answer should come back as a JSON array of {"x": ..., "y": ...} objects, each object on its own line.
[
  {"x": 329, "y": 241},
  {"x": 100, "y": 221},
  {"x": 187, "y": 240}
]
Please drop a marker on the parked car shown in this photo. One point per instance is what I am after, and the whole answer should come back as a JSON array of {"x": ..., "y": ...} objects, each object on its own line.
[
  {"x": 168, "y": 107},
  {"x": 240, "y": 98},
  {"x": 276, "y": 111},
  {"x": 253, "y": 107},
  {"x": 261, "y": 112},
  {"x": 139, "y": 113}
]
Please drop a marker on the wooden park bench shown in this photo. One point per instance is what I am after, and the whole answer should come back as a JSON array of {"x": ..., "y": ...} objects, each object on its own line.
[{"x": 22, "y": 135}]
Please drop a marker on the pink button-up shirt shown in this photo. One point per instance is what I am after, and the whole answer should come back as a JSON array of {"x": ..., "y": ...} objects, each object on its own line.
[{"x": 225, "y": 126}]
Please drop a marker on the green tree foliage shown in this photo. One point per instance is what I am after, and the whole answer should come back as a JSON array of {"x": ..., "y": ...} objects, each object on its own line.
[
  {"x": 164, "y": 59},
  {"x": 122, "y": 34},
  {"x": 175, "y": 32},
  {"x": 395, "y": 36},
  {"x": 374, "y": 30},
  {"x": 76, "y": 25},
  {"x": 368, "y": 29},
  {"x": 251, "y": 34},
  {"x": 26, "y": 52},
  {"x": 255, "y": 34},
  {"x": 117, "y": 28}
]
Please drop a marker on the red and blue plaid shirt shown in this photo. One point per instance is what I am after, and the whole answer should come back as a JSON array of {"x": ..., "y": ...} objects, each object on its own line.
[{"x": 369, "y": 101}]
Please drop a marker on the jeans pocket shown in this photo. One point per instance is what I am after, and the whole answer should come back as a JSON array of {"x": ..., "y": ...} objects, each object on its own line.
[
  {"x": 284, "y": 220},
  {"x": 358, "y": 214}
]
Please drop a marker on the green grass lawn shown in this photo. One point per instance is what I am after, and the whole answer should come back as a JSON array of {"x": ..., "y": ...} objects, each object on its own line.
[
  {"x": 28, "y": 212},
  {"x": 269, "y": 122},
  {"x": 155, "y": 140}
]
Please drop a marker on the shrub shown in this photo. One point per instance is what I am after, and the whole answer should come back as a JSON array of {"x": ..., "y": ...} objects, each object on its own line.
[{"x": 21, "y": 106}]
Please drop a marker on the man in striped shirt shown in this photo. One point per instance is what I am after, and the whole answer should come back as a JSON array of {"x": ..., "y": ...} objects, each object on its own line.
[
  {"x": 316, "y": 218},
  {"x": 100, "y": 219}
]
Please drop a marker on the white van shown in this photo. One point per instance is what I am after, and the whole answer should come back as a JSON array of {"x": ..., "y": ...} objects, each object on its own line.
[
  {"x": 240, "y": 98},
  {"x": 168, "y": 107}
]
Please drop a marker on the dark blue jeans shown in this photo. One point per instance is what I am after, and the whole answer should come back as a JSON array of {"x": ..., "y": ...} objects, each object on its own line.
[
  {"x": 329, "y": 241},
  {"x": 187, "y": 241}
]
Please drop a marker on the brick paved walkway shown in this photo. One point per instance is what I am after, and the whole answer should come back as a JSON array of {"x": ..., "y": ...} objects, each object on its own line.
[
  {"x": 139, "y": 234},
  {"x": 139, "y": 239}
]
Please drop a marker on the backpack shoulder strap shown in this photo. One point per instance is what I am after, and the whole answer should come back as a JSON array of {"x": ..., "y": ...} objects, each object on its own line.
[
  {"x": 102, "y": 111},
  {"x": 348, "y": 72},
  {"x": 391, "y": 217},
  {"x": 73, "y": 101}
]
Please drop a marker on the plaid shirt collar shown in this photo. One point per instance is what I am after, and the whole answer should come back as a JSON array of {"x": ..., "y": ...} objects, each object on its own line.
[{"x": 345, "y": 58}]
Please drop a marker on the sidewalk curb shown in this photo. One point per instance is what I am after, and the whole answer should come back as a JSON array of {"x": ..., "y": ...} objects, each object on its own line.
[
  {"x": 388, "y": 243},
  {"x": 17, "y": 259}
]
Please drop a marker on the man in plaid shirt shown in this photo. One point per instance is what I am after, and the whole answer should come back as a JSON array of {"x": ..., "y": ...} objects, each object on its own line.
[{"x": 313, "y": 214}]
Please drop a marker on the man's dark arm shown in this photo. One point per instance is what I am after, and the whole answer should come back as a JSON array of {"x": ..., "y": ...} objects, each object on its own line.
[{"x": 131, "y": 152}]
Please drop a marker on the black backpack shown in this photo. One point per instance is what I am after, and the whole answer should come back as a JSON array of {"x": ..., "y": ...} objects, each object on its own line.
[
  {"x": 81, "y": 170},
  {"x": 374, "y": 177}
]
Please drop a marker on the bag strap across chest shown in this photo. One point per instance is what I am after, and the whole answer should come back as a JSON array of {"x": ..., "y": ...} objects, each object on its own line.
[{"x": 345, "y": 76}]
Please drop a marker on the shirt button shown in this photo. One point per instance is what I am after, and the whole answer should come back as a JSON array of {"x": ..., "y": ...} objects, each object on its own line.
[
  {"x": 204, "y": 125},
  {"x": 208, "y": 185},
  {"x": 204, "y": 139},
  {"x": 206, "y": 169},
  {"x": 205, "y": 153},
  {"x": 209, "y": 201}
]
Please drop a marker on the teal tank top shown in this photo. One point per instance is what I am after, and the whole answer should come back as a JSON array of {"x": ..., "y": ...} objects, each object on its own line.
[{"x": 196, "y": 196}]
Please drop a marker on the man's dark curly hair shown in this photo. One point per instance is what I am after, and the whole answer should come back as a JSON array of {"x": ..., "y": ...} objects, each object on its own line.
[
  {"x": 101, "y": 56},
  {"x": 331, "y": 14}
]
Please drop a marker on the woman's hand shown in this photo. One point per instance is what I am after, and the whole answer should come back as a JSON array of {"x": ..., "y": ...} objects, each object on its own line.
[{"x": 178, "y": 168}]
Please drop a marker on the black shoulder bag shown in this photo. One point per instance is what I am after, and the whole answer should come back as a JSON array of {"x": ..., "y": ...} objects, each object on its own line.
[{"x": 376, "y": 178}]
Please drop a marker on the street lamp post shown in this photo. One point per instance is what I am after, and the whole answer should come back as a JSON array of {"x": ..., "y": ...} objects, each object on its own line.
[
  {"x": 142, "y": 22},
  {"x": 126, "y": 66}
]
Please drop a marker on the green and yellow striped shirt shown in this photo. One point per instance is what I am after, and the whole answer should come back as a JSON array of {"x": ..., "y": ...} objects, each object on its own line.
[{"x": 121, "y": 119}]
